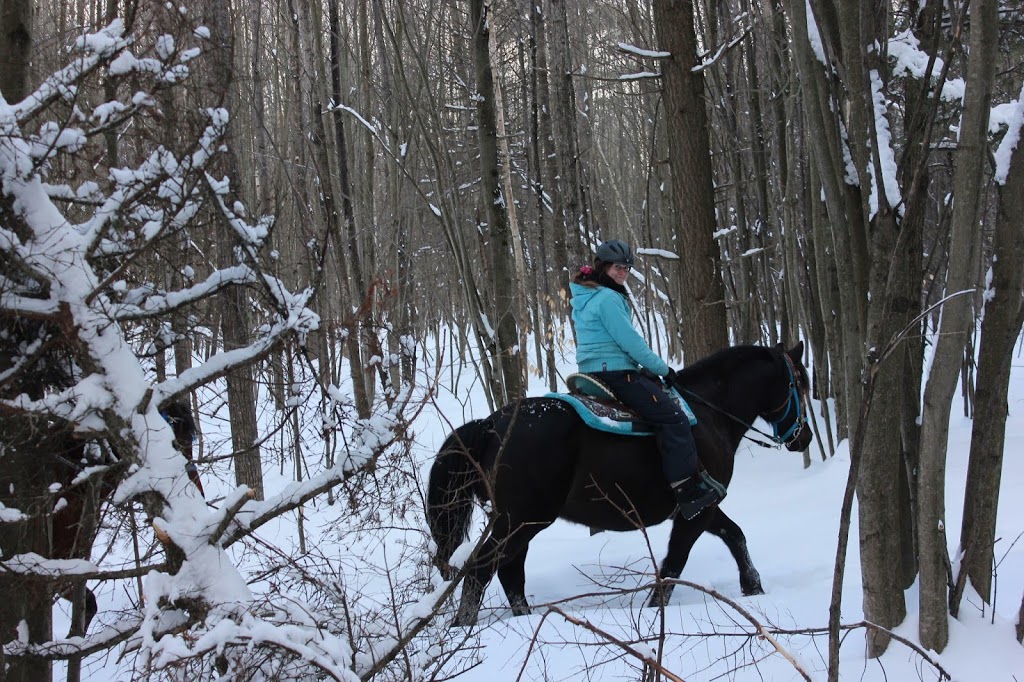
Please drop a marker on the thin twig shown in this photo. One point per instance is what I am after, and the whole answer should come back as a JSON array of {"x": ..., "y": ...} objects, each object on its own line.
[{"x": 647, "y": 660}]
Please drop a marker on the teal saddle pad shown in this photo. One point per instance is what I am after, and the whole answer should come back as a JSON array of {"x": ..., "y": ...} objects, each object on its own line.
[{"x": 614, "y": 417}]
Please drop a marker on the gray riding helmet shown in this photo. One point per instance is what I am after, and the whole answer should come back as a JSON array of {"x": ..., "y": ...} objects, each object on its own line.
[{"x": 615, "y": 251}]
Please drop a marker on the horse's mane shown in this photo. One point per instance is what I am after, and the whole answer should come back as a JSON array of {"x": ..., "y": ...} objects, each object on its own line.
[{"x": 721, "y": 363}]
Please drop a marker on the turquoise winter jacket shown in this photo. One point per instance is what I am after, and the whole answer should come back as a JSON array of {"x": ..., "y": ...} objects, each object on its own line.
[{"x": 605, "y": 337}]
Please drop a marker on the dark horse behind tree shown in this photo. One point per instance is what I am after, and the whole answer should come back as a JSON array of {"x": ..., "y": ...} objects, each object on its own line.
[
  {"x": 75, "y": 519},
  {"x": 537, "y": 461}
]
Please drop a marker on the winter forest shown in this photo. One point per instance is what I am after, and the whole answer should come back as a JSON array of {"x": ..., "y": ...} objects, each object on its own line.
[{"x": 257, "y": 259}]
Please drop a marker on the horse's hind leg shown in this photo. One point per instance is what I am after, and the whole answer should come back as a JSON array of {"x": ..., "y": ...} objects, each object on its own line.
[
  {"x": 512, "y": 573},
  {"x": 506, "y": 553},
  {"x": 479, "y": 574},
  {"x": 733, "y": 537},
  {"x": 484, "y": 563}
]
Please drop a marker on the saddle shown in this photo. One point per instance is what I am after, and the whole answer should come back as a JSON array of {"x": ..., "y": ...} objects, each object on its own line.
[{"x": 599, "y": 409}]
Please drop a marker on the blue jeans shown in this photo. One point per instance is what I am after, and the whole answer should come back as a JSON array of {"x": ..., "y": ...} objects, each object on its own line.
[{"x": 653, "y": 403}]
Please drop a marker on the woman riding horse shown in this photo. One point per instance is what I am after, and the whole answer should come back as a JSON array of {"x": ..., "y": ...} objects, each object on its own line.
[
  {"x": 537, "y": 460},
  {"x": 610, "y": 350}
]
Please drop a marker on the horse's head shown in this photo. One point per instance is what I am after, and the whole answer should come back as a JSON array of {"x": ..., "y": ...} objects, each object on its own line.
[
  {"x": 179, "y": 415},
  {"x": 789, "y": 417}
]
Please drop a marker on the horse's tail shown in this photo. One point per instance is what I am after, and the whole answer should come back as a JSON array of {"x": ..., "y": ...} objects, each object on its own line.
[{"x": 455, "y": 478}]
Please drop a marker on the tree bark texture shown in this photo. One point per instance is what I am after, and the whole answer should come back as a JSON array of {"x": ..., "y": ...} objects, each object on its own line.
[
  {"x": 956, "y": 326},
  {"x": 565, "y": 134},
  {"x": 999, "y": 331},
  {"x": 826, "y": 146},
  {"x": 15, "y": 48},
  {"x": 235, "y": 318},
  {"x": 499, "y": 236},
  {"x": 28, "y": 452},
  {"x": 702, "y": 304}
]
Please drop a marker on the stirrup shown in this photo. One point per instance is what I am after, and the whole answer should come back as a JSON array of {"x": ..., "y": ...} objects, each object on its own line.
[
  {"x": 695, "y": 494},
  {"x": 709, "y": 481}
]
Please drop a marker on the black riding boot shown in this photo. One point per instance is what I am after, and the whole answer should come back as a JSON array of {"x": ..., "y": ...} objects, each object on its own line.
[{"x": 697, "y": 493}]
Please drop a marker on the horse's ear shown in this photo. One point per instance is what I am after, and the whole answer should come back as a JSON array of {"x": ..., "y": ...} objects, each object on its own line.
[{"x": 797, "y": 351}]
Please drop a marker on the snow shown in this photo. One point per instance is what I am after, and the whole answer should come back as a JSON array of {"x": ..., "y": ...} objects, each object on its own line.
[
  {"x": 587, "y": 588},
  {"x": 907, "y": 59},
  {"x": 10, "y": 515},
  {"x": 658, "y": 253},
  {"x": 887, "y": 155},
  {"x": 1010, "y": 115},
  {"x": 641, "y": 52},
  {"x": 814, "y": 36},
  {"x": 639, "y": 75}
]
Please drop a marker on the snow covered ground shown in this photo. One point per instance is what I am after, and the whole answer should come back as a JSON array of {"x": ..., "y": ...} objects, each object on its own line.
[{"x": 789, "y": 514}]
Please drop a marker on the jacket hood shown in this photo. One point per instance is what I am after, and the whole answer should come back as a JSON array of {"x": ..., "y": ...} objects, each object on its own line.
[{"x": 582, "y": 294}]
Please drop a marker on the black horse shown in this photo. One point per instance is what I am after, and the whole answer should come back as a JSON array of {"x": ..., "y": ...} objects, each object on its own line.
[
  {"x": 536, "y": 461},
  {"x": 74, "y": 523}
]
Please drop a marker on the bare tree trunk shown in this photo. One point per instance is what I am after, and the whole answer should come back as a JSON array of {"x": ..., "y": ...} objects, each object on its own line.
[
  {"x": 702, "y": 305},
  {"x": 1020, "y": 622},
  {"x": 956, "y": 326},
  {"x": 999, "y": 330},
  {"x": 15, "y": 48},
  {"x": 826, "y": 149},
  {"x": 26, "y": 469},
  {"x": 25, "y": 464},
  {"x": 914, "y": 174},
  {"x": 235, "y": 321},
  {"x": 495, "y": 202},
  {"x": 546, "y": 304},
  {"x": 565, "y": 130},
  {"x": 356, "y": 283},
  {"x": 881, "y": 472},
  {"x": 504, "y": 158},
  {"x": 546, "y": 134}
]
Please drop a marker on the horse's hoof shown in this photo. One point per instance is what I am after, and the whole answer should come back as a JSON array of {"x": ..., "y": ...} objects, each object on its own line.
[
  {"x": 520, "y": 607},
  {"x": 752, "y": 591},
  {"x": 659, "y": 598},
  {"x": 461, "y": 622}
]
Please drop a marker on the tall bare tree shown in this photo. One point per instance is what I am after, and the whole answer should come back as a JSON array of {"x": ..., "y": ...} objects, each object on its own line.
[
  {"x": 236, "y": 321},
  {"x": 569, "y": 242},
  {"x": 15, "y": 48},
  {"x": 24, "y": 445},
  {"x": 703, "y": 305},
  {"x": 504, "y": 278},
  {"x": 956, "y": 326},
  {"x": 1000, "y": 328}
]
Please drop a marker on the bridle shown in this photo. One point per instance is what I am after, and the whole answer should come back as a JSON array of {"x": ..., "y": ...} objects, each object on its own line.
[{"x": 792, "y": 403}]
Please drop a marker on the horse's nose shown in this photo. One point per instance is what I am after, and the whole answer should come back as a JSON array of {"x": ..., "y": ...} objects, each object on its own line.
[{"x": 801, "y": 440}]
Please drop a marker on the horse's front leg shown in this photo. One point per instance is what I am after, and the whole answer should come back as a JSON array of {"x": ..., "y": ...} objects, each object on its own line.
[
  {"x": 733, "y": 537},
  {"x": 680, "y": 542}
]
